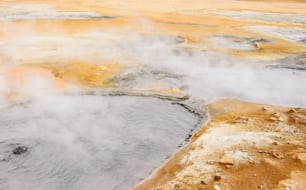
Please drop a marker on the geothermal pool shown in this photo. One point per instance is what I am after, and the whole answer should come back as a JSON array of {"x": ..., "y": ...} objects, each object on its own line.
[{"x": 88, "y": 142}]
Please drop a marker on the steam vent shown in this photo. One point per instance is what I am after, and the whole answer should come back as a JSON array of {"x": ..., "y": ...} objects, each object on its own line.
[{"x": 153, "y": 95}]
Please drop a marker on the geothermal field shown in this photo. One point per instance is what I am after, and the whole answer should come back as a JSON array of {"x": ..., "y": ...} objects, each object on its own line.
[{"x": 153, "y": 95}]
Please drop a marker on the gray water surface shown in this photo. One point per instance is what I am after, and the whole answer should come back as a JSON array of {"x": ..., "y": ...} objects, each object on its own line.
[{"x": 87, "y": 142}]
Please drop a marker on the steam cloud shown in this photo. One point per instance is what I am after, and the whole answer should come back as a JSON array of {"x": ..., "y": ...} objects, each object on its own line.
[{"x": 85, "y": 127}]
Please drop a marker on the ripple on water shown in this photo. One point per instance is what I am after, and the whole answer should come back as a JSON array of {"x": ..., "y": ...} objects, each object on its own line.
[{"x": 88, "y": 142}]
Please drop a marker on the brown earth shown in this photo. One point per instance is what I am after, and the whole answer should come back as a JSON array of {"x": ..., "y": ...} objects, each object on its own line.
[{"x": 242, "y": 146}]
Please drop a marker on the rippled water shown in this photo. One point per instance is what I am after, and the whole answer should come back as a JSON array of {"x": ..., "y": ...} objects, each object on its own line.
[{"x": 87, "y": 142}]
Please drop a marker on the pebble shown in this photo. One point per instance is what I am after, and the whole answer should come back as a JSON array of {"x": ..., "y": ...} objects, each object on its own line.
[
  {"x": 260, "y": 186},
  {"x": 277, "y": 155},
  {"x": 293, "y": 110},
  {"x": 217, "y": 177},
  {"x": 273, "y": 119},
  {"x": 226, "y": 160},
  {"x": 242, "y": 119},
  {"x": 281, "y": 119},
  {"x": 265, "y": 108},
  {"x": 211, "y": 162},
  {"x": 287, "y": 184},
  {"x": 217, "y": 187},
  {"x": 276, "y": 114},
  {"x": 268, "y": 109},
  {"x": 301, "y": 157},
  {"x": 203, "y": 182}
]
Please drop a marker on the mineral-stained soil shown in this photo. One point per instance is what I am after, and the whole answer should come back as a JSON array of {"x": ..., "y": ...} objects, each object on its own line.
[{"x": 242, "y": 146}]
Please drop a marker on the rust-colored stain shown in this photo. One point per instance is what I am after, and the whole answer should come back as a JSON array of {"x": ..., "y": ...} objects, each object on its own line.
[
  {"x": 86, "y": 74},
  {"x": 18, "y": 79}
]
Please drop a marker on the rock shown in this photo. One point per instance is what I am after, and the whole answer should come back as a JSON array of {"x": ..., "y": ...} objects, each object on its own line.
[
  {"x": 293, "y": 110},
  {"x": 20, "y": 150},
  {"x": 241, "y": 119},
  {"x": 217, "y": 177},
  {"x": 211, "y": 162},
  {"x": 275, "y": 143},
  {"x": 281, "y": 119},
  {"x": 277, "y": 155},
  {"x": 203, "y": 182},
  {"x": 251, "y": 161},
  {"x": 287, "y": 184},
  {"x": 271, "y": 161},
  {"x": 176, "y": 186},
  {"x": 301, "y": 157},
  {"x": 260, "y": 186},
  {"x": 273, "y": 119},
  {"x": 217, "y": 187},
  {"x": 226, "y": 160},
  {"x": 276, "y": 114},
  {"x": 277, "y": 117},
  {"x": 295, "y": 142}
]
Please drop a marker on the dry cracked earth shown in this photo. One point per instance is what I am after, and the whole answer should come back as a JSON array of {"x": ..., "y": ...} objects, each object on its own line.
[{"x": 153, "y": 94}]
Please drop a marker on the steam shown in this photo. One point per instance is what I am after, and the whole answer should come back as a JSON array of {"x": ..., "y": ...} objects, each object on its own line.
[
  {"x": 85, "y": 142},
  {"x": 206, "y": 75},
  {"x": 210, "y": 75}
]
